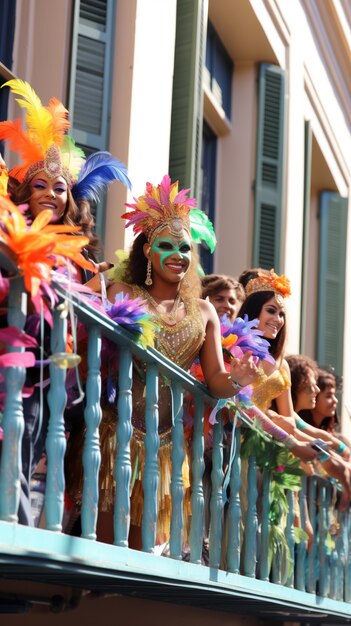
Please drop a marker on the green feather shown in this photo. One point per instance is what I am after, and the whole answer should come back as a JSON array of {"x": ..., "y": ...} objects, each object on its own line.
[{"x": 202, "y": 228}]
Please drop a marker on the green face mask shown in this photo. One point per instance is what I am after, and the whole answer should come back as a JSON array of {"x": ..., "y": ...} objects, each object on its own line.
[{"x": 167, "y": 247}]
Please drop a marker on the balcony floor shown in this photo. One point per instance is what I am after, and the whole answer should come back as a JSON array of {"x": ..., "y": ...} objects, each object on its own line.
[{"x": 44, "y": 557}]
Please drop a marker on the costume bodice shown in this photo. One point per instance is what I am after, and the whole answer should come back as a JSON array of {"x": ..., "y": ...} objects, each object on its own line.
[
  {"x": 181, "y": 341},
  {"x": 269, "y": 387}
]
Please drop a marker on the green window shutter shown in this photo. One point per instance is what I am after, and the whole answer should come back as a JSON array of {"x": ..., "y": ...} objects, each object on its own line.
[
  {"x": 269, "y": 167},
  {"x": 187, "y": 100},
  {"x": 91, "y": 76},
  {"x": 331, "y": 280}
]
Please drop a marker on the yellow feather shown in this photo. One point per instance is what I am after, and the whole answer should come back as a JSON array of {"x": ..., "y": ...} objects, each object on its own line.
[{"x": 38, "y": 118}]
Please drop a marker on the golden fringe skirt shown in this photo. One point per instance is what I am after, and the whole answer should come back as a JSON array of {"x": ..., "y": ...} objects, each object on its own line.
[{"x": 108, "y": 444}]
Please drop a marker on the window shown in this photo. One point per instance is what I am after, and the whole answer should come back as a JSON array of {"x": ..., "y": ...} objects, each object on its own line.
[
  {"x": 218, "y": 71},
  {"x": 208, "y": 171},
  {"x": 91, "y": 78}
]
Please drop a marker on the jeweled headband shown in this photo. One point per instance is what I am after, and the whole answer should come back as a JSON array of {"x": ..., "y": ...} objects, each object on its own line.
[
  {"x": 269, "y": 281},
  {"x": 44, "y": 146},
  {"x": 165, "y": 206}
]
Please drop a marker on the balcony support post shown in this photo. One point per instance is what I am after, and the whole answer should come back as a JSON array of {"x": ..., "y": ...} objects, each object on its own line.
[
  {"x": 197, "y": 496},
  {"x": 91, "y": 451},
  {"x": 13, "y": 422},
  {"x": 123, "y": 470},
  {"x": 177, "y": 487},
  {"x": 151, "y": 471}
]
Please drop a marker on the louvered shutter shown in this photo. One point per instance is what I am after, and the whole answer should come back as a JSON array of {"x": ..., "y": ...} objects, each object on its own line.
[
  {"x": 269, "y": 167},
  {"x": 187, "y": 101},
  {"x": 91, "y": 78},
  {"x": 331, "y": 280}
]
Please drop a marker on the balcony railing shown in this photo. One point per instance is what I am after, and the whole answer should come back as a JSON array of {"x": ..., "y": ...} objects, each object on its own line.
[{"x": 300, "y": 584}]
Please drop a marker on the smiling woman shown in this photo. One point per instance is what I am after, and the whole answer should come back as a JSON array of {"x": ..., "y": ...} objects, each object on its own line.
[{"x": 162, "y": 270}]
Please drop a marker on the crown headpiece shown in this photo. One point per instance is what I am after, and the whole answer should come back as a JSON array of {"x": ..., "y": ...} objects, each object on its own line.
[
  {"x": 45, "y": 147},
  {"x": 269, "y": 281},
  {"x": 164, "y": 205}
]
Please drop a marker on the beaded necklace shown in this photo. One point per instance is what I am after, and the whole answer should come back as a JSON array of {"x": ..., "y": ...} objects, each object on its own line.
[{"x": 168, "y": 317}]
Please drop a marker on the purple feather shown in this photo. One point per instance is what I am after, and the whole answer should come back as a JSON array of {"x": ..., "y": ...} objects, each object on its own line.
[{"x": 99, "y": 170}]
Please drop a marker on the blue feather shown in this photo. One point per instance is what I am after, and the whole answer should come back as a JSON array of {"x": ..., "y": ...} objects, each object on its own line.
[{"x": 99, "y": 170}]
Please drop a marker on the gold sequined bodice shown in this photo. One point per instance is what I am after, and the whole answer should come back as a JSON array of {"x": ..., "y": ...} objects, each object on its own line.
[
  {"x": 181, "y": 341},
  {"x": 269, "y": 387}
]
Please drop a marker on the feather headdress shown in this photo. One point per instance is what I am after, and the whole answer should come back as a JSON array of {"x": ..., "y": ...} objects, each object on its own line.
[
  {"x": 45, "y": 146},
  {"x": 269, "y": 281},
  {"x": 164, "y": 205}
]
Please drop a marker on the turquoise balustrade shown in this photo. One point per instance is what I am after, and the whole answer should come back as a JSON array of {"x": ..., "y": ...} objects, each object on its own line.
[{"x": 239, "y": 530}]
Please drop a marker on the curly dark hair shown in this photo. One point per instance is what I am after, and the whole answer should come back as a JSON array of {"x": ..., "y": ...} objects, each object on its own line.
[
  {"x": 76, "y": 214},
  {"x": 214, "y": 283},
  {"x": 299, "y": 366}
]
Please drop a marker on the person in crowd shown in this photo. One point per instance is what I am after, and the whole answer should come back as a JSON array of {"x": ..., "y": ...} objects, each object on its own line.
[
  {"x": 324, "y": 415},
  {"x": 310, "y": 401},
  {"x": 53, "y": 175},
  {"x": 265, "y": 292},
  {"x": 162, "y": 271},
  {"x": 224, "y": 292}
]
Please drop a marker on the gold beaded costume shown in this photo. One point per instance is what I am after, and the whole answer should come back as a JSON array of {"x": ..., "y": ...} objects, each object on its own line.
[
  {"x": 269, "y": 387},
  {"x": 181, "y": 343}
]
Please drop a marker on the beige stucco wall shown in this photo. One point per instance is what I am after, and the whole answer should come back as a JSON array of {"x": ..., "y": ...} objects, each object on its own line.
[
  {"x": 142, "y": 99},
  {"x": 41, "y": 49}
]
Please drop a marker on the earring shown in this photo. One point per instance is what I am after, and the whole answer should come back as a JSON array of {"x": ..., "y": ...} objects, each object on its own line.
[{"x": 148, "y": 279}]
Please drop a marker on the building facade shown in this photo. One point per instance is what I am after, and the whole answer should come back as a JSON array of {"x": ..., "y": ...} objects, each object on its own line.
[{"x": 247, "y": 102}]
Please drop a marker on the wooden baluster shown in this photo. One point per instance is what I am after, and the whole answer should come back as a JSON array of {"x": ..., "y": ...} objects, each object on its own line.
[
  {"x": 251, "y": 522},
  {"x": 122, "y": 470},
  {"x": 300, "y": 578},
  {"x": 151, "y": 471},
  {"x": 91, "y": 450},
  {"x": 234, "y": 509},
  {"x": 341, "y": 552},
  {"x": 197, "y": 495},
  {"x": 216, "y": 502},
  {"x": 290, "y": 538},
  {"x": 312, "y": 554},
  {"x": 56, "y": 441},
  {"x": 177, "y": 487},
  {"x": 265, "y": 524},
  {"x": 322, "y": 534},
  {"x": 13, "y": 423}
]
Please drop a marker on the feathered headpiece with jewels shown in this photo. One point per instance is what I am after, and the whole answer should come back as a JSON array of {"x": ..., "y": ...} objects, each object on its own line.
[
  {"x": 164, "y": 205},
  {"x": 45, "y": 147},
  {"x": 269, "y": 281}
]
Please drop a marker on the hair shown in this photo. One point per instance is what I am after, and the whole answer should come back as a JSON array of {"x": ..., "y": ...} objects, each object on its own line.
[
  {"x": 325, "y": 379},
  {"x": 214, "y": 283},
  {"x": 252, "y": 307},
  {"x": 76, "y": 213},
  {"x": 136, "y": 264},
  {"x": 299, "y": 366}
]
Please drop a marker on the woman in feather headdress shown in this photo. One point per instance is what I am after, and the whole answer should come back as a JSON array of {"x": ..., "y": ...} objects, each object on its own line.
[
  {"x": 54, "y": 172},
  {"x": 162, "y": 270},
  {"x": 53, "y": 175}
]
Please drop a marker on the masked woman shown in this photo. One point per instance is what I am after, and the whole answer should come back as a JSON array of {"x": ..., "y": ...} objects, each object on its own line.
[{"x": 162, "y": 270}]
